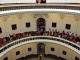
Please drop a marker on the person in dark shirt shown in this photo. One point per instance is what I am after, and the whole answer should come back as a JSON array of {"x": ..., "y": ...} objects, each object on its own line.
[
  {"x": 43, "y": 1},
  {"x": 40, "y": 1}
]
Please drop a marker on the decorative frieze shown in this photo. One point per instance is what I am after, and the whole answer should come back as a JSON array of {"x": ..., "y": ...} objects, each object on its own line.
[
  {"x": 40, "y": 15},
  {"x": 77, "y": 17},
  {"x": 61, "y": 16}
]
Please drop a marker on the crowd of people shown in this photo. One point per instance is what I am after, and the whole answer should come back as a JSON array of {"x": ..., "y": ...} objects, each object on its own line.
[{"x": 66, "y": 35}]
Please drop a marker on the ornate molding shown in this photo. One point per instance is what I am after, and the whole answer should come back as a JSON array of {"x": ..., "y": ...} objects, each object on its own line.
[
  {"x": 77, "y": 17},
  {"x": 19, "y": 16},
  {"x": 5, "y": 18},
  {"x": 40, "y": 15},
  {"x": 61, "y": 16}
]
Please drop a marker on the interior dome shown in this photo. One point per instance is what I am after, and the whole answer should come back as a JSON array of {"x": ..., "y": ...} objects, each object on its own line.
[{"x": 39, "y": 30}]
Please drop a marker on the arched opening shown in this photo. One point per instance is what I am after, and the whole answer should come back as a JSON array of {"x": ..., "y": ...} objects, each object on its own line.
[
  {"x": 41, "y": 48},
  {"x": 41, "y": 24}
]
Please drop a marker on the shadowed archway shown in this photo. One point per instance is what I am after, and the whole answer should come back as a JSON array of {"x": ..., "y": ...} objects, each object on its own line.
[{"x": 41, "y": 24}]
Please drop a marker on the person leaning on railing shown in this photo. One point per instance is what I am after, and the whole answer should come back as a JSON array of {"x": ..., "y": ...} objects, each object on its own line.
[{"x": 66, "y": 35}]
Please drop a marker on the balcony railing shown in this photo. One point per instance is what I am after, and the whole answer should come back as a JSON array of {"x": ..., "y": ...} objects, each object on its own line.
[
  {"x": 38, "y": 6},
  {"x": 22, "y": 40}
]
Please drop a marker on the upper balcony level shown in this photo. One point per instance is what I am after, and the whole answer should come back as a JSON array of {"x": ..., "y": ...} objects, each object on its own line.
[
  {"x": 72, "y": 8},
  {"x": 8, "y": 6}
]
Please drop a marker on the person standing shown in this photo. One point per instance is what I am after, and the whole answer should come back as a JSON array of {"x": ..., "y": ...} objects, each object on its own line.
[
  {"x": 43, "y": 1},
  {"x": 40, "y": 1}
]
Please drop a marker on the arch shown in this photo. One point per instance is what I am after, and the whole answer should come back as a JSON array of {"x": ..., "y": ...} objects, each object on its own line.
[
  {"x": 41, "y": 24},
  {"x": 41, "y": 48}
]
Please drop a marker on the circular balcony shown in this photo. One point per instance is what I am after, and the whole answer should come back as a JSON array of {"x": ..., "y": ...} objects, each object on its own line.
[
  {"x": 40, "y": 39},
  {"x": 6, "y": 9},
  {"x": 19, "y": 8}
]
